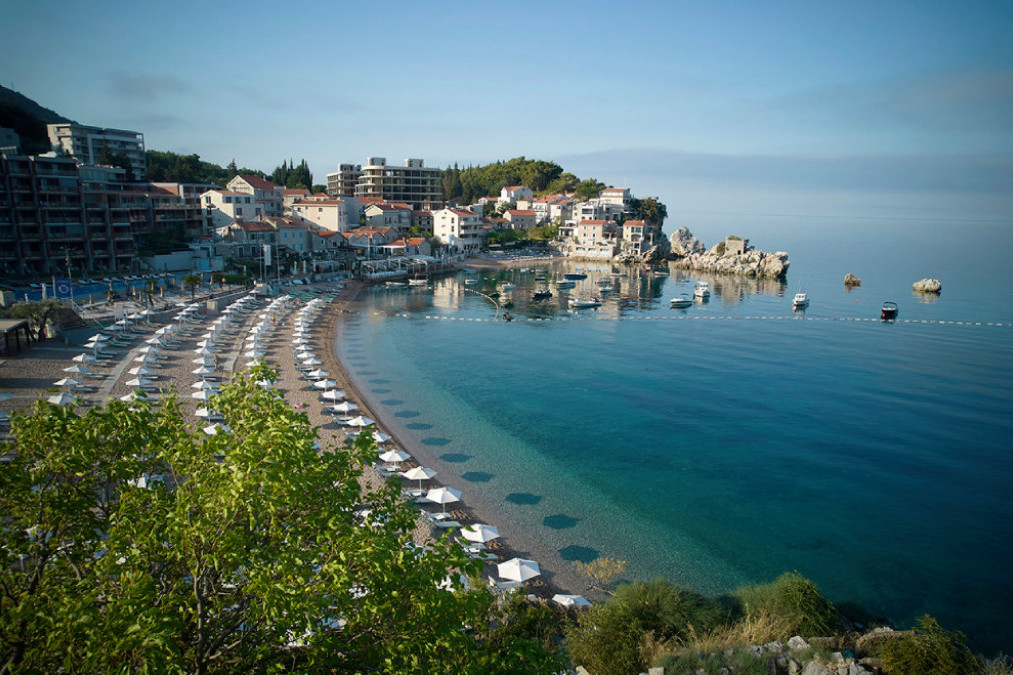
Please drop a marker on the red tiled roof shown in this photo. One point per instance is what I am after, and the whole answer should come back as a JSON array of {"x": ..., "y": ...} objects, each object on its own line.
[
  {"x": 512, "y": 188},
  {"x": 254, "y": 226},
  {"x": 592, "y": 222},
  {"x": 520, "y": 212},
  {"x": 319, "y": 202},
  {"x": 302, "y": 191},
  {"x": 258, "y": 183},
  {"x": 463, "y": 213},
  {"x": 422, "y": 212},
  {"x": 633, "y": 223}
]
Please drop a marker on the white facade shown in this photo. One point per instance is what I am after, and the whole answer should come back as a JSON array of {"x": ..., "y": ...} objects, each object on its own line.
[
  {"x": 388, "y": 215},
  {"x": 513, "y": 193},
  {"x": 264, "y": 192},
  {"x": 95, "y": 145},
  {"x": 328, "y": 215},
  {"x": 460, "y": 229},
  {"x": 227, "y": 206}
]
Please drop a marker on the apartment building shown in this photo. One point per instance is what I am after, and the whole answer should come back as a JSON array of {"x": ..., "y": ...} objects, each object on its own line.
[
  {"x": 460, "y": 229},
  {"x": 331, "y": 214},
  {"x": 98, "y": 145},
  {"x": 520, "y": 219},
  {"x": 414, "y": 183},
  {"x": 224, "y": 206},
  {"x": 268, "y": 196},
  {"x": 389, "y": 215}
]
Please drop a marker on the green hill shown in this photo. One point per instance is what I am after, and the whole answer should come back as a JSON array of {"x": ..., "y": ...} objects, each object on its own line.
[{"x": 28, "y": 119}]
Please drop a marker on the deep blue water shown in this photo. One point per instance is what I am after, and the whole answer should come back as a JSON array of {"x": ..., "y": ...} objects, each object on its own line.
[{"x": 717, "y": 447}]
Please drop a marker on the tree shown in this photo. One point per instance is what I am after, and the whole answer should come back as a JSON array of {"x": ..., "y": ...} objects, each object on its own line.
[
  {"x": 191, "y": 281},
  {"x": 38, "y": 313},
  {"x": 133, "y": 541},
  {"x": 649, "y": 210},
  {"x": 589, "y": 189},
  {"x": 232, "y": 168}
]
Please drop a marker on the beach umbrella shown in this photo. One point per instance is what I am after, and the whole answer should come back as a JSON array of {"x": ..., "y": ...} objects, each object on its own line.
[
  {"x": 204, "y": 351},
  {"x": 139, "y": 382},
  {"x": 360, "y": 421},
  {"x": 216, "y": 427},
  {"x": 149, "y": 349},
  {"x": 333, "y": 395},
  {"x": 84, "y": 358},
  {"x": 77, "y": 370},
  {"x": 518, "y": 569},
  {"x": 166, "y": 329},
  {"x": 67, "y": 382},
  {"x": 203, "y": 370},
  {"x": 312, "y": 361},
  {"x": 134, "y": 396},
  {"x": 208, "y": 361},
  {"x": 570, "y": 600},
  {"x": 444, "y": 496},
  {"x": 155, "y": 341},
  {"x": 317, "y": 374},
  {"x": 254, "y": 353},
  {"x": 419, "y": 473},
  {"x": 62, "y": 398},
  {"x": 344, "y": 407},
  {"x": 141, "y": 371},
  {"x": 146, "y": 358},
  {"x": 480, "y": 533},
  {"x": 205, "y": 413},
  {"x": 204, "y": 385},
  {"x": 380, "y": 437},
  {"x": 202, "y": 395},
  {"x": 394, "y": 456},
  {"x": 325, "y": 384},
  {"x": 304, "y": 354}
]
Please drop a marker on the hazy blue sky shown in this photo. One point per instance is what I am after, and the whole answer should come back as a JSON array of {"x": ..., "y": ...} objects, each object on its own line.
[{"x": 864, "y": 108}]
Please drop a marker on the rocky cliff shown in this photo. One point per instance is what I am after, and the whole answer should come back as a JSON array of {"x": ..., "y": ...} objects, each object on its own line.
[{"x": 751, "y": 263}]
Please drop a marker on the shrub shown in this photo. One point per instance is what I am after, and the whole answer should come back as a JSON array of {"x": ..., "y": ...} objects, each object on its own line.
[
  {"x": 928, "y": 649},
  {"x": 796, "y": 599},
  {"x": 606, "y": 640}
]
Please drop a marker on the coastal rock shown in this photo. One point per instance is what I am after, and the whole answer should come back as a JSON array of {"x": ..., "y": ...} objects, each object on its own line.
[
  {"x": 797, "y": 642},
  {"x": 683, "y": 243},
  {"x": 752, "y": 263},
  {"x": 851, "y": 280},
  {"x": 927, "y": 286}
]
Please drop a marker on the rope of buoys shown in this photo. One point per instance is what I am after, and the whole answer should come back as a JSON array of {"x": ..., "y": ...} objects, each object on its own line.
[{"x": 589, "y": 317}]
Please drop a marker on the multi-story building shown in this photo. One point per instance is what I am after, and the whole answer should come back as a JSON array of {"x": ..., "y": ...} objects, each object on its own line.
[
  {"x": 224, "y": 206},
  {"x": 459, "y": 229},
  {"x": 389, "y": 215},
  {"x": 292, "y": 233},
  {"x": 413, "y": 183},
  {"x": 331, "y": 214},
  {"x": 422, "y": 219},
  {"x": 98, "y": 145},
  {"x": 520, "y": 219},
  {"x": 268, "y": 196}
]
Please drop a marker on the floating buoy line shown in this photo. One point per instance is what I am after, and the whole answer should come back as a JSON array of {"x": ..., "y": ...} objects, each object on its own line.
[{"x": 585, "y": 317}]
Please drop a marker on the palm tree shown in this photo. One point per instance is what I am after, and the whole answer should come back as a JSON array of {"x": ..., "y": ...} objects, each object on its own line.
[{"x": 191, "y": 281}]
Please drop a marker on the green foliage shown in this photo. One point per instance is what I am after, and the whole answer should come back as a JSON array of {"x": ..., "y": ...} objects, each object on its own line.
[
  {"x": 589, "y": 189},
  {"x": 734, "y": 661},
  {"x": 796, "y": 599},
  {"x": 192, "y": 281},
  {"x": 734, "y": 237},
  {"x": 242, "y": 551},
  {"x": 544, "y": 232},
  {"x": 928, "y": 649},
  {"x": 293, "y": 177},
  {"x": 666, "y": 610},
  {"x": 504, "y": 236},
  {"x": 30, "y": 129},
  {"x": 165, "y": 240},
  {"x": 606, "y": 640},
  {"x": 485, "y": 181},
  {"x": 720, "y": 248},
  {"x": 38, "y": 313},
  {"x": 169, "y": 167},
  {"x": 601, "y": 573},
  {"x": 649, "y": 210}
]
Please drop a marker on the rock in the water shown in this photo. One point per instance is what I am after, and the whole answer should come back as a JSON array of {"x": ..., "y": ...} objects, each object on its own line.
[
  {"x": 851, "y": 280},
  {"x": 927, "y": 286},
  {"x": 684, "y": 243}
]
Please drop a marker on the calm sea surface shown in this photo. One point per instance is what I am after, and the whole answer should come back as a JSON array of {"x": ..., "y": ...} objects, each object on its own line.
[{"x": 732, "y": 441}]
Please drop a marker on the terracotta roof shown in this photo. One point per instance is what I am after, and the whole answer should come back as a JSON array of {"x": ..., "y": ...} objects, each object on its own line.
[
  {"x": 520, "y": 212},
  {"x": 319, "y": 202},
  {"x": 633, "y": 223},
  {"x": 301, "y": 191},
  {"x": 496, "y": 220},
  {"x": 411, "y": 241},
  {"x": 371, "y": 200},
  {"x": 592, "y": 222},
  {"x": 422, "y": 212},
  {"x": 326, "y": 234},
  {"x": 254, "y": 226},
  {"x": 463, "y": 213},
  {"x": 390, "y": 207},
  {"x": 512, "y": 188},
  {"x": 258, "y": 183}
]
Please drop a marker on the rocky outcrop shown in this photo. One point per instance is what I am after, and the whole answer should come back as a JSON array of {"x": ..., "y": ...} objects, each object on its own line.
[
  {"x": 851, "y": 280},
  {"x": 683, "y": 243},
  {"x": 653, "y": 254},
  {"x": 927, "y": 286},
  {"x": 751, "y": 263}
]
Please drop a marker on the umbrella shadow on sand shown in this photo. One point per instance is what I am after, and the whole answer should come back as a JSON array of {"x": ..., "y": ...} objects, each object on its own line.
[{"x": 582, "y": 553}]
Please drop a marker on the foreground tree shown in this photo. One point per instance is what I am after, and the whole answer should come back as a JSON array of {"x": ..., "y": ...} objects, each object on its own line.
[
  {"x": 38, "y": 313},
  {"x": 132, "y": 541}
]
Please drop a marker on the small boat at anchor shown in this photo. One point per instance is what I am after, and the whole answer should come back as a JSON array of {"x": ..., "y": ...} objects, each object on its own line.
[
  {"x": 575, "y": 276},
  {"x": 584, "y": 304},
  {"x": 702, "y": 290},
  {"x": 681, "y": 302},
  {"x": 800, "y": 301},
  {"x": 507, "y": 287},
  {"x": 566, "y": 284},
  {"x": 889, "y": 311},
  {"x": 541, "y": 294}
]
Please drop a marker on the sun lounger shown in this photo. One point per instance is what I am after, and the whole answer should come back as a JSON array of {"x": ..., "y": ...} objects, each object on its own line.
[{"x": 446, "y": 524}]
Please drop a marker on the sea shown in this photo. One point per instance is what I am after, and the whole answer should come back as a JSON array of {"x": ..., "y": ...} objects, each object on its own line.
[{"x": 734, "y": 440}]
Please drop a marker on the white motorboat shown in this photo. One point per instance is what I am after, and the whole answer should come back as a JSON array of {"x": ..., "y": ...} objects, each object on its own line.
[
  {"x": 584, "y": 304},
  {"x": 507, "y": 287},
  {"x": 682, "y": 301},
  {"x": 702, "y": 290},
  {"x": 801, "y": 300},
  {"x": 566, "y": 284}
]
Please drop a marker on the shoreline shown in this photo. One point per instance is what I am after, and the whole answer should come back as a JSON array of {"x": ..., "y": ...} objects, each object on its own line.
[{"x": 557, "y": 576}]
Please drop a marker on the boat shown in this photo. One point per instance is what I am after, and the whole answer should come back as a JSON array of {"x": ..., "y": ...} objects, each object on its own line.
[
  {"x": 584, "y": 304},
  {"x": 541, "y": 294},
  {"x": 508, "y": 287},
  {"x": 471, "y": 282},
  {"x": 540, "y": 277},
  {"x": 801, "y": 300},
  {"x": 682, "y": 301},
  {"x": 661, "y": 273},
  {"x": 396, "y": 284},
  {"x": 702, "y": 290},
  {"x": 418, "y": 282},
  {"x": 566, "y": 284},
  {"x": 889, "y": 311},
  {"x": 604, "y": 282},
  {"x": 606, "y": 289},
  {"x": 576, "y": 276}
]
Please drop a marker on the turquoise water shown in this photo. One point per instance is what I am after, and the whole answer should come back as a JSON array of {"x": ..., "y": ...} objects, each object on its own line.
[{"x": 732, "y": 441}]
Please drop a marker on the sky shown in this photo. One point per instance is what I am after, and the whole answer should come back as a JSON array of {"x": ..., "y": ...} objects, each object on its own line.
[{"x": 850, "y": 109}]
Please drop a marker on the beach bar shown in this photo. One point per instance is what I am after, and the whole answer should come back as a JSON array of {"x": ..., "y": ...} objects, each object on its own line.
[{"x": 14, "y": 328}]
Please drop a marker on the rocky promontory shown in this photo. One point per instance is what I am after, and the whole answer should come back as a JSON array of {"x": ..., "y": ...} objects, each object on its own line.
[
  {"x": 734, "y": 255},
  {"x": 927, "y": 286}
]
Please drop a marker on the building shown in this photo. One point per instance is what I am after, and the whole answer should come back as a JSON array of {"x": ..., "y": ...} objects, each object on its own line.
[
  {"x": 224, "y": 206},
  {"x": 512, "y": 193},
  {"x": 413, "y": 183},
  {"x": 332, "y": 214},
  {"x": 245, "y": 240},
  {"x": 617, "y": 196},
  {"x": 459, "y": 229},
  {"x": 389, "y": 215},
  {"x": 423, "y": 220},
  {"x": 268, "y": 197},
  {"x": 290, "y": 197},
  {"x": 291, "y": 233},
  {"x": 97, "y": 145},
  {"x": 520, "y": 219},
  {"x": 636, "y": 236}
]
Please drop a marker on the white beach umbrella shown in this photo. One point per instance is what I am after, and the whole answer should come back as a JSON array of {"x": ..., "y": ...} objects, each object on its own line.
[
  {"x": 216, "y": 428},
  {"x": 311, "y": 362},
  {"x": 204, "y": 351},
  {"x": 444, "y": 496},
  {"x": 146, "y": 358},
  {"x": 133, "y": 397},
  {"x": 570, "y": 600},
  {"x": 141, "y": 371},
  {"x": 325, "y": 384},
  {"x": 304, "y": 354},
  {"x": 155, "y": 341},
  {"x": 518, "y": 569},
  {"x": 84, "y": 358},
  {"x": 419, "y": 473},
  {"x": 205, "y": 413},
  {"x": 139, "y": 382},
  {"x": 208, "y": 361},
  {"x": 380, "y": 437},
  {"x": 317, "y": 374},
  {"x": 204, "y": 385},
  {"x": 203, "y": 370},
  {"x": 149, "y": 349},
  {"x": 394, "y": 456},
  {"x": 167, "y": 329},
  {"x": 77, "y": 370},
  {"x": 202, "y": 395},
  {"x": 480, "y": 533},
  {"x": 67, "y": 382},
  {"x": 254, "y": 353},
  {"x": 360, "y": 421},
  {"x": 344, "y": 407},
  {"x": 62, "y": 398}
]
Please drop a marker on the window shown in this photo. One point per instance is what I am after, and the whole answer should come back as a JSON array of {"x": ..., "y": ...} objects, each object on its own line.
[{"x": 239, "y": 212}]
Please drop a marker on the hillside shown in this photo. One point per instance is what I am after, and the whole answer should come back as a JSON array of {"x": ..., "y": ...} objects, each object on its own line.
[{"x": 28, "y": 119}]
